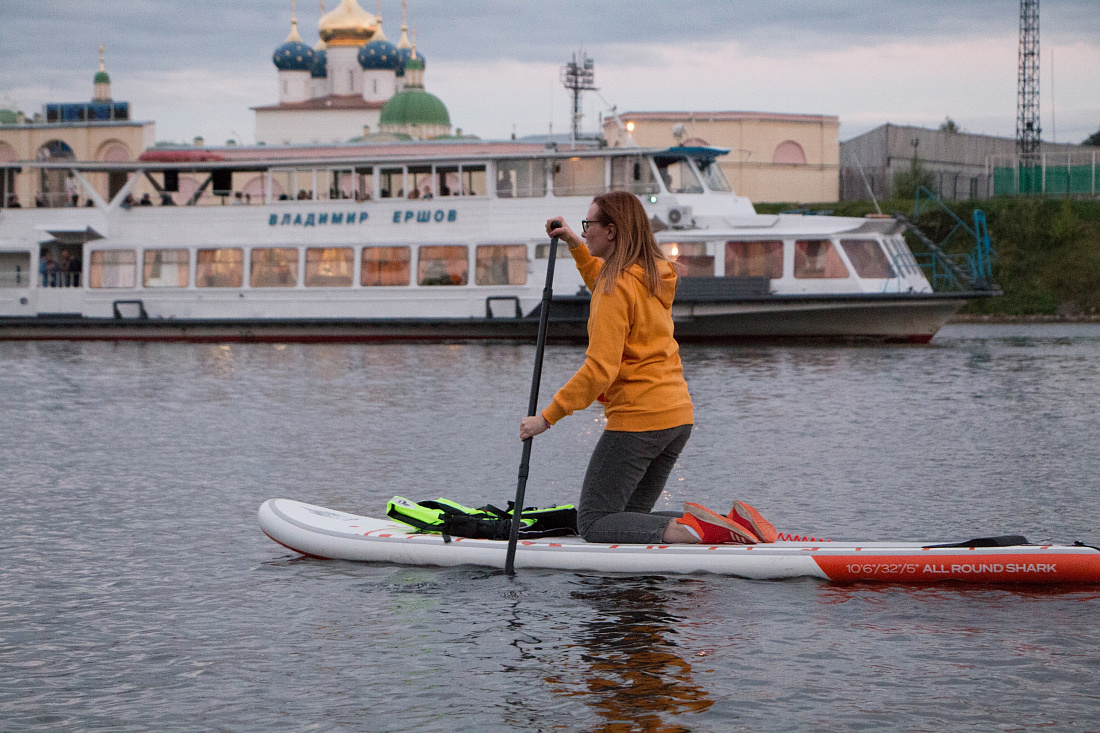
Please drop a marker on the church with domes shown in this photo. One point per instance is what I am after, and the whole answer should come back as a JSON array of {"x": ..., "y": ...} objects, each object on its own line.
[{"x": 352, "y": 84}]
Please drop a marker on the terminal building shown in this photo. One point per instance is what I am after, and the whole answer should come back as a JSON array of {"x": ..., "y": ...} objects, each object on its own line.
[
  {"x": 774, "y": 157},
  {"x": 960, "y": 165},
  {"x": 98, "y": 130}
]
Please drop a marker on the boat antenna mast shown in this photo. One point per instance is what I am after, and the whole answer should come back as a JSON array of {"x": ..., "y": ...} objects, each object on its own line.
[
  {"x": 1028, "y": 130},
  {"x": 578, "y": 76}
]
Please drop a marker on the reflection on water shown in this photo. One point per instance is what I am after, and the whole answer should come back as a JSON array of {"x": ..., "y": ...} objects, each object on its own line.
[{"x": 637, "y": 678}]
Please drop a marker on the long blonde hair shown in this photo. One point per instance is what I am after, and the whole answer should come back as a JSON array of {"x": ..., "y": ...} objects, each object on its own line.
[{"x": 634, "y": 242}]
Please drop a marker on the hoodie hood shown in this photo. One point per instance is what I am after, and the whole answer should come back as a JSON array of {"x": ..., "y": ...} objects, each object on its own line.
[{"x": 666, "y": 287}]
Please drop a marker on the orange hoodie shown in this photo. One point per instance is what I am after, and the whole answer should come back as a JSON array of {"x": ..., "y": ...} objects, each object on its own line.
[{"x": 632, "y": 365}]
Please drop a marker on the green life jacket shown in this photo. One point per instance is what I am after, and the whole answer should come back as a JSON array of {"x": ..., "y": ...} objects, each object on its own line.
[{"x": 452, "y": 519}]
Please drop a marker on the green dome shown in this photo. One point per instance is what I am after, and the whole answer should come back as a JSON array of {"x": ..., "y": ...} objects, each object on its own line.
[
  {"x": 414, "y": 106},
  {"x": 101, "y": 77}
]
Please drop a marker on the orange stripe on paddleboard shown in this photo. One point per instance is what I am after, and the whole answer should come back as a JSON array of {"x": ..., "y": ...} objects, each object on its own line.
[{"x": 1000, "y": 568}]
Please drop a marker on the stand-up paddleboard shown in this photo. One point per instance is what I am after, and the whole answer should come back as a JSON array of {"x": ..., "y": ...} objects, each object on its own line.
[{"x": 326, "y": 533}]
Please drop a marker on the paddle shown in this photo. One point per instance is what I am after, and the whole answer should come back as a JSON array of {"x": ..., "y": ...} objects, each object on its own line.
[{"x": 532, "y": 407}]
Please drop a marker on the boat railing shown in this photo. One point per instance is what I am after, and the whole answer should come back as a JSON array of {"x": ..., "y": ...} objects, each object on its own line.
[{"x": 965, "y": 271}]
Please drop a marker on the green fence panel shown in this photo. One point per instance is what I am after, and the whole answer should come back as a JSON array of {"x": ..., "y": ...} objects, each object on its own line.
[
  {"x": 1031, "y": 179},
  {"x": 1080, "y": 179},
  {"x": 1004, "y": 181},
  {"x": 1057, "y": 181}
]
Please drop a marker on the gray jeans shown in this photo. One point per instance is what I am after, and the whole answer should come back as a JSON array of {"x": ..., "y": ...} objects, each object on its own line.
[{"x": 625, "y": 478}]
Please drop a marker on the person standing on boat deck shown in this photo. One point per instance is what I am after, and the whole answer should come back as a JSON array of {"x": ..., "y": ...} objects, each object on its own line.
[{"x": 632, "y": 366}]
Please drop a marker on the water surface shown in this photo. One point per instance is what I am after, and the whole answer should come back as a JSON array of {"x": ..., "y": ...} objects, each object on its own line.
[{"x": 137, "y": 592}]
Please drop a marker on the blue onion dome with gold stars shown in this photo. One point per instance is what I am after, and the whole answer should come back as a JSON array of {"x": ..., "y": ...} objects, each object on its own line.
[
  {"x": 319, "y": 70},
  {"x": 293, "y": 55},
  {"x": 379, "y": 55}
]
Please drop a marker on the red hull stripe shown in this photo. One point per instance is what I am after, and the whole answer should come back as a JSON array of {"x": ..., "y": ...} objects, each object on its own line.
[{"x": 1001, "y": 568}]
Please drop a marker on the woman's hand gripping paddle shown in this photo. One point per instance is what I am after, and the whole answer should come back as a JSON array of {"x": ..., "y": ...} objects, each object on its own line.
[{"x": 532, "y": 406}]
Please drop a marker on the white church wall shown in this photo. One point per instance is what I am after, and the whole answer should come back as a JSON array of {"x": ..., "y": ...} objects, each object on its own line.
[
  {"x": 344, "y": 73},
  {"x": 379, "y": 85},
  {"x": 321, "y": 126},
  {"x": 293, "y": 86}
]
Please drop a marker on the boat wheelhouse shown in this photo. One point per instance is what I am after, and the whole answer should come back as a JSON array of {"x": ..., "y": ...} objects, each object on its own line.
[{"x": 440, "y": 240}]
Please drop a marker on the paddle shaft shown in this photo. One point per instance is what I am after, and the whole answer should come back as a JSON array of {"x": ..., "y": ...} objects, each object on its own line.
[{"x": 532, "y": 408}]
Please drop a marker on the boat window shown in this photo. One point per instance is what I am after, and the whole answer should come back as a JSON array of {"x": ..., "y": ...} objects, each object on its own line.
[
  {"x": 335, "y": 184},
  {"x": 329, "y": 267},
  {"x": 690, "y": 259},
  {"x": 298, "y": 183},
  {"x": 542, "y": 251},
  {"x": 443, "y": 265},
  {"x": 678, "y": 175},
  {"x": 365, "y": 189},
  {"x": 754, "y": 259},
  {"x": 392, "y": 183},
  {"x": 447, "y": 181},
  {"x": 901, "y": 256},
  {"x": 420, "y": 182},
  {"x": 578, "y": 176},
  {"x": 520, "y": 179},
  {"x": 303, "y": 184},
  {"x": 817, "y": 258},
  {"x": 868, "y": 258},
  {"x": 274, "y": 267},
  {"x": 219, "y": 268},
  {"x": 166, "y": 268},
  {"x": 385, "y": 266},
  {"x": 715, "y": 178},
  {"x": 473, "y": 180},
  {"x": 633, "y": 173},
  {"x": 501, "y": 264},
  {"x": 113, "y": 268},
  {"x": 15, "y": 269}
]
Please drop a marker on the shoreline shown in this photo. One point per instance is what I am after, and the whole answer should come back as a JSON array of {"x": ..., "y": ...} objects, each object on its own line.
[{"x": 1004, "y": 318}]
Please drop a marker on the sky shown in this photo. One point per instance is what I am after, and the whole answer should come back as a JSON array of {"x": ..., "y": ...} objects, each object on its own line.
[{"x": 196, "y": 67}]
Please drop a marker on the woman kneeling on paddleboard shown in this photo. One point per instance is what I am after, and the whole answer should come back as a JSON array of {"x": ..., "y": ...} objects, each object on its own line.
[{"x": 632, "y": 366}]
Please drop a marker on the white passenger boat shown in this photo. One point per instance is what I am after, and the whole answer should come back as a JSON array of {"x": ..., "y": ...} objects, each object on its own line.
[{"x": 436, "y": 240}]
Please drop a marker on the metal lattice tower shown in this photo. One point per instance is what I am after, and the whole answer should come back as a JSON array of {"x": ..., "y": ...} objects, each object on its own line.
[
  {"x": 578, "y": 76},
  {"x": 1028, "y": 130}
]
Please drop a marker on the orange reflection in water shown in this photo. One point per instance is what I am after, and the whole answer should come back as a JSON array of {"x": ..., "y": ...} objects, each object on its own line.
[{"x": 635, "y": 679}]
